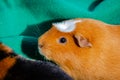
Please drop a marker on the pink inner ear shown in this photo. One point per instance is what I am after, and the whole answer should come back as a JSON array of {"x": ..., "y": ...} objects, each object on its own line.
[{"x": 83, "y": 42}]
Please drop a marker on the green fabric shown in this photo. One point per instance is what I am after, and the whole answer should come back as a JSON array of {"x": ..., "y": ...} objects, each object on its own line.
[
  {"x": 13, "y": 40},
  {"x": 17, "y": 15}
]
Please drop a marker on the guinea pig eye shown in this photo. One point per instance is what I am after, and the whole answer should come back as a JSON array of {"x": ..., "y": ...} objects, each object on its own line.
[{"x": 62, "y": 40}]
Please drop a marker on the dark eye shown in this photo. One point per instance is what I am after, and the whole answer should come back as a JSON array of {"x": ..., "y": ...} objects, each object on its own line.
[{"x": 62, "y": 40}]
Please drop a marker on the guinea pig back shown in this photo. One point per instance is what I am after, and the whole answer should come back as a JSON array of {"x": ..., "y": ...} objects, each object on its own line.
[{"x": 86, "y": 49}]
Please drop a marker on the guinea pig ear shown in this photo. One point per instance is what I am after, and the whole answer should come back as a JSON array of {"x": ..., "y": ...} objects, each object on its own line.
[{"x": 81, "y": 41}]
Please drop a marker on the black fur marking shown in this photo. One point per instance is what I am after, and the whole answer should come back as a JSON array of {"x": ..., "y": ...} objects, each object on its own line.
[
  {"x": 35, "y": 70},
  {"x": 4, "y": 55}
]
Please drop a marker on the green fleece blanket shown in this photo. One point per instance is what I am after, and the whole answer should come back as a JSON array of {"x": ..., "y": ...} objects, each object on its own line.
[{"x": 23, "y": 21}]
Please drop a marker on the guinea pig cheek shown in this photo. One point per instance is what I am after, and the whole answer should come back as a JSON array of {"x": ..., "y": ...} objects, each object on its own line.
[{"x": 40, "y": 50}]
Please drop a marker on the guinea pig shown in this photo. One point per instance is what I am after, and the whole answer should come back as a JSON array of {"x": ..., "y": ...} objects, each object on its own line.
[{"x": 86, "y": 49}]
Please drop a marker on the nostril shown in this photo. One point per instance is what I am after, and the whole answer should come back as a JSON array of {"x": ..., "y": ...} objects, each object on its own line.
[{"x": 40, "y": 45}]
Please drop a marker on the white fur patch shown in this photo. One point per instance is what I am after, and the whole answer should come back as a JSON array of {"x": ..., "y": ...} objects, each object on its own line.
[{"x": 66, "y": 26}]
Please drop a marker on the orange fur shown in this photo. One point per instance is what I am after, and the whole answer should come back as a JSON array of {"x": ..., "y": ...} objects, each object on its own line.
[
  {"x": 101, "y": 61},
  {"x": 7, "y": 62},
  {"x": 5, "y": 48}
]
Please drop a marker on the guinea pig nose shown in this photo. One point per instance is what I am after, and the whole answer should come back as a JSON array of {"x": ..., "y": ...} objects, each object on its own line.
[{"x": 40, "y": 45}]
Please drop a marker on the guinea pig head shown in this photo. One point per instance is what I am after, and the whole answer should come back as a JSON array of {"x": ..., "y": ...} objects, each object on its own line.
[{"x": 63, "y": 43}]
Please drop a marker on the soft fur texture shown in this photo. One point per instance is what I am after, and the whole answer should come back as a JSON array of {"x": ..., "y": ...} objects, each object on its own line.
[
  {"x": 14, "y": 67},
  {"x": 90, "y": 52}
]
